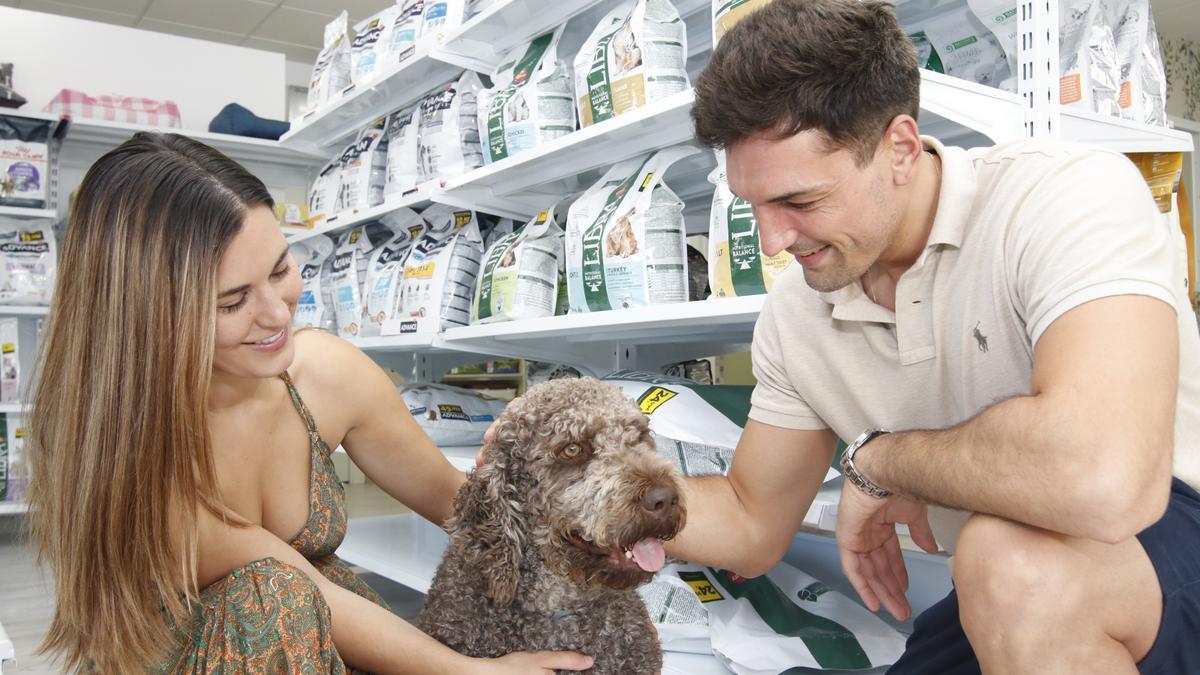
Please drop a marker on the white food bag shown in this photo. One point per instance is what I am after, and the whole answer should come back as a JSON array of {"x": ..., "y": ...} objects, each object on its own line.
[
  {"x": 314, "y": 309},
  {"x": 440, "y": 271},
  {"x": 451, "y": 416},
  {"x": 520, "y": 274},
  {"x": 1090, "y": 74},
  {"x": 401, "y": 170},
  {"x": 448, "y": 136},
  {"x": 967, "y": 49},
  {"x": 347, "y": 274},
  {"x": 1142, "y": 90},
  {"x": 441, "y": 18},
  {"x": 28, "y": 264},
  {"x": 406, "y": 31},
  {"x": 637, "y": 54},
  {"x": 384, "y": 279},
  {"x": 626, "y": 244},
  {"x": 331, "y": 73},
  {"x": 530, "y": 101},
  {"x": 364, "y": 171},
  {"x": 370, "y": 48}
]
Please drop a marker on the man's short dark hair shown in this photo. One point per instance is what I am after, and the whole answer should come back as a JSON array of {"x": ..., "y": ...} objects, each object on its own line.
[{"x": 843, "y": 67}]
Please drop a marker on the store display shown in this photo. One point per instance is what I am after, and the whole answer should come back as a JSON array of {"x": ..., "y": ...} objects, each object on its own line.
[
  {"x": 451, "y": 416},
  {"x": 384, "y": 279},
  {"x": 115, "y": 108},
  {"x": 370, "y": 48},
  {"x": 331, "y": 73},
  {"x": 1142, "y": 91},
  {"x": 1090, "y": 74},
  {"x": 407, "y": 30},
  {"x": 10, "y": 360},
  {"x": 448, "y": 136},
  {"x": 347, "y": 274},
  {"x": 28, "y": 264},
  {"x": 440, "y": 272},
  {"x": 530, "y": 101},
  {"x": 364, "y": 168},
  {"x": 24, "y": 162},
  {"x": 520, "y": 274},
  {"x": 442, "y": 17},
  {"x": 625, "y": 240},
  {"x": 736, "y": 263},
  {"x": 315, "y": 308},
  {"x": 636, "y": 55}
]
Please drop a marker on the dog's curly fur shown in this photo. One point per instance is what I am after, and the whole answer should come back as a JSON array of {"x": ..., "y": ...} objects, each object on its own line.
[{"x": 535, "y": 559}]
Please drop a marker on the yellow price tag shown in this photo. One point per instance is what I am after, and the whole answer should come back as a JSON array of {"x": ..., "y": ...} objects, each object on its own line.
[{"x": 651, "y": 400}]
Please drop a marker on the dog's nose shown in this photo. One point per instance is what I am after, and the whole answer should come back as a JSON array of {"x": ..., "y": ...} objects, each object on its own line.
[{"x": 659, "y": 499}]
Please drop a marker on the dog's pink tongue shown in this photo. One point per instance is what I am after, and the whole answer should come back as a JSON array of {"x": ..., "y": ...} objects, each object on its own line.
[{"x": 649, "y": 554}]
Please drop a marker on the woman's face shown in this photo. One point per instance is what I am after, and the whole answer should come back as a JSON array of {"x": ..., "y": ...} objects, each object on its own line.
[{"x": 258, "y": 285}]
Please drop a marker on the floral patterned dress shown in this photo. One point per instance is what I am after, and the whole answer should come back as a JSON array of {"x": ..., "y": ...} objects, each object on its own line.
[{"x": 267, "y": 616}]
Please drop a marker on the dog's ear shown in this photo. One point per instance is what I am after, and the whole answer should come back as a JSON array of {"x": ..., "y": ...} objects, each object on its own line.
[{"x": 488, "y": 511}]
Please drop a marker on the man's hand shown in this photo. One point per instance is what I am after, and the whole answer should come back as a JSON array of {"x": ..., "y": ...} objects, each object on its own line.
[{"x": 870, "y": 548}]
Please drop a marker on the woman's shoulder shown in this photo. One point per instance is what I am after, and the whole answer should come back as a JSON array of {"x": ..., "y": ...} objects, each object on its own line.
[{"x": 323, "y": 359}]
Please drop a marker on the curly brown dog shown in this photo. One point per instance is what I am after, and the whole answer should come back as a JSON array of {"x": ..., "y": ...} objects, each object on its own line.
[{"x": 552, "y": 534}]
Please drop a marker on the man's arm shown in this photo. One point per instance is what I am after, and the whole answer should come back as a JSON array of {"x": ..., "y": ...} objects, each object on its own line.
[
  {"x": 744, "y": 521},
  {"x": 1087, "y": 453}
]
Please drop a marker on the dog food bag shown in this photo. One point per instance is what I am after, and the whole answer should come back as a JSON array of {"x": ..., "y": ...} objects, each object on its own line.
[
  {"x": 385, "y": 267},
  {"x": 627, "y": 246},
  {"x": 401, "y": 172},
  {"x": 1142, "y": 92},
  {"x": 10, "y": 360},
  {"x": 1000, "y": 17},
  {"x": 448, "y": 136},
  {"x": 441, "y": 18},
  {"x": 1087, "y": 53},
  {"x": 636, "y": 55},
  {"x": 323, "y": 195},
  {"x": 368, "y": 51},
  {"x": 315, "y": 309},
  {"x": 331, "y": 74},
  {"x": 452, "y": 416},
  {"x": 726, "y": 13},
  {"x": 25, "y": 162},
  {"x": 364, "y": 172},
  {"x": 347, "y": 274},
  {"x": 28, "y": 264},
  {"x": 519, "y": 279},
  {"x": 530, "y": 101},
  {"x": 927, "y": 56},
  {"x": 406, "y": 32},
  {"x": 736, "y": 264},
  {"x": 440, "y": 272},
  {"x": 782, "y": 620},
  {"x": 966, "y": 48}
]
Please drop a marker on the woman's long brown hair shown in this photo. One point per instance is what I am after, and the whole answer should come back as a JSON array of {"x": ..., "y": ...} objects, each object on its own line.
[{"x": 118, "y": 437}]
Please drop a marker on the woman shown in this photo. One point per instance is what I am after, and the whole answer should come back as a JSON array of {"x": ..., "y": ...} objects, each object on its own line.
[{"x": 182, "y": 490}]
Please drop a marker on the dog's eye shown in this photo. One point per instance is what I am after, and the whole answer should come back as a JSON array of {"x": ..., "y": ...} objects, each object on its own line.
[{"x": 573, "y": 451}]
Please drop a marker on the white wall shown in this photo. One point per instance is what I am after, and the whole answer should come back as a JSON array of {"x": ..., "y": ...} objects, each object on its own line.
[{"x": 53, "y": 52}]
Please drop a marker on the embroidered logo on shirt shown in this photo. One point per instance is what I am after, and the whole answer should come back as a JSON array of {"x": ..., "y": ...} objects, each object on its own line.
[{"x": 980, "y": 338}]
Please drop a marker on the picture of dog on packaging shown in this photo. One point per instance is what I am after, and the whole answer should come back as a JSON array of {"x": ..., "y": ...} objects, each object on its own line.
[
  {"x": 517, "y": 108},
  {"x": 625, "y": 52},
  {"x": 621, "y": 241}
]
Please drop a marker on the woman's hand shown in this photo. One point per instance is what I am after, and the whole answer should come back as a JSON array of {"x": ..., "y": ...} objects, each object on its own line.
[{"x": 536, "y": 663}]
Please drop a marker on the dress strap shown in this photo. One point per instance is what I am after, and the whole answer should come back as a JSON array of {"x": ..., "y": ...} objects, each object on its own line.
[{"x": 299, "y": 404}]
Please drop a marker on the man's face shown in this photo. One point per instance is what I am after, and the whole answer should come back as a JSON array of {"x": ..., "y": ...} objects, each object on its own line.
[{"x": 834, "y": 216}]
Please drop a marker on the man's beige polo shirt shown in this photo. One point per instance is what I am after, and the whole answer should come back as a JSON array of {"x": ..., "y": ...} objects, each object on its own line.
[{"x": 1023, "y": 233}]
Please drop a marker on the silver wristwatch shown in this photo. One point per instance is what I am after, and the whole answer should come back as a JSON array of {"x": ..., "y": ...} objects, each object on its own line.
[{"x": 851, "y": 473}]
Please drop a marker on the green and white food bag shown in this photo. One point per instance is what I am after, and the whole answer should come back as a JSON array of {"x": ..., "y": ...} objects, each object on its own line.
[
  {"x": 451, "y": 416},
  {"x": 967, "y": 49},
  {"x": 1087, "y": 54},
  {"x": 347, "y": 274},
  {"x": 530, "y": 101},
  {"x": 384, "y": 279},
  {"x": 370, "y": 48},
  {"x": 520, "y": 274},
  {"x": 767, "y": 625},
  {"x": 448, "y": 136},
  {"x": 1000, "y": 17},
  {"x": 441, "y": 18},
  {"x": 406, "y": 31},
  {"x": 726, "y": 13},
  {"x": 331, "y": 73},
  {"x": 636, "y": 55},
  {"x": 927, "y": 56},
  {"x": 736, "y": 264},
  {"x": 626, "y": 245},
  {"x": 440, "y": 272},
  {"x": 1142, "y": 90},
  {"x": 401, "y": 173},
  {"x": 314, "y": 309},
  {"x": 364, "y": 168}
]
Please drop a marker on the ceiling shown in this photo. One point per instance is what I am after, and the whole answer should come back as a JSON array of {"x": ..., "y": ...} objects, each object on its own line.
[{"x": 296, "y": 27}]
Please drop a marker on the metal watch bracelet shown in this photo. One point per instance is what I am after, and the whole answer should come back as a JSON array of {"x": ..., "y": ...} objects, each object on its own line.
[{"x": 866, "y": 485}]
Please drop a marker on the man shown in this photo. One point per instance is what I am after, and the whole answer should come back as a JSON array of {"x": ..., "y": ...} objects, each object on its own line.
[{"x": 1021, "y": 310}]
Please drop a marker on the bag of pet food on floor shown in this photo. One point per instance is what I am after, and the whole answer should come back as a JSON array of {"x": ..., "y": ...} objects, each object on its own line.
[
  {"x": 314, "y": 256},
  {"x": 406, "y": 32},
  {"x": 331, "y": 74},
  {"x": 440, "y": 272},
  {"x": 736, "y": 264},
  {"x": 347, "y": 274},
  {"x": 364, "y": 172},
  {"x": 385, "y": 267},
  {"x": 1142, "y": 89},
  {"x": 28, "y": 264},
  {"x": 323, "y": 196},
  {"x": 519, "y": 279},
  {"x": 402, "y": 173},
  {"x": 633, "y": 251},
  {"x": 966, "y": 48},
  {"x": 369, "y": 50},
  {"x": 771, "y": 624},
  {"x": 448, "y": 137},
  {"x": 530, "y": 100},
  {"x": 25, "y": 162},
  {"x": 1087, "y": 53},
  {"x": 451, "y": 416},
  {"x": 636, "y": 55},
  {"x": 441, "y": 18}
]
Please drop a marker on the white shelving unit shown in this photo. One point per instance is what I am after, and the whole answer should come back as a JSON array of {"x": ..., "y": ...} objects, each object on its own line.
[
  {"x": 27, "y": 214},
  {"x": 418, "y": 198},
  {"x": 6, "y": 648},
  {"x": 23, "y": 310},
  {"x": 13, "y": 508}
]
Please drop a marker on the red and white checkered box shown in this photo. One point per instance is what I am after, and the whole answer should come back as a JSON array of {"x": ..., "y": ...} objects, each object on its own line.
[{"x": 129, "y": 109}]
